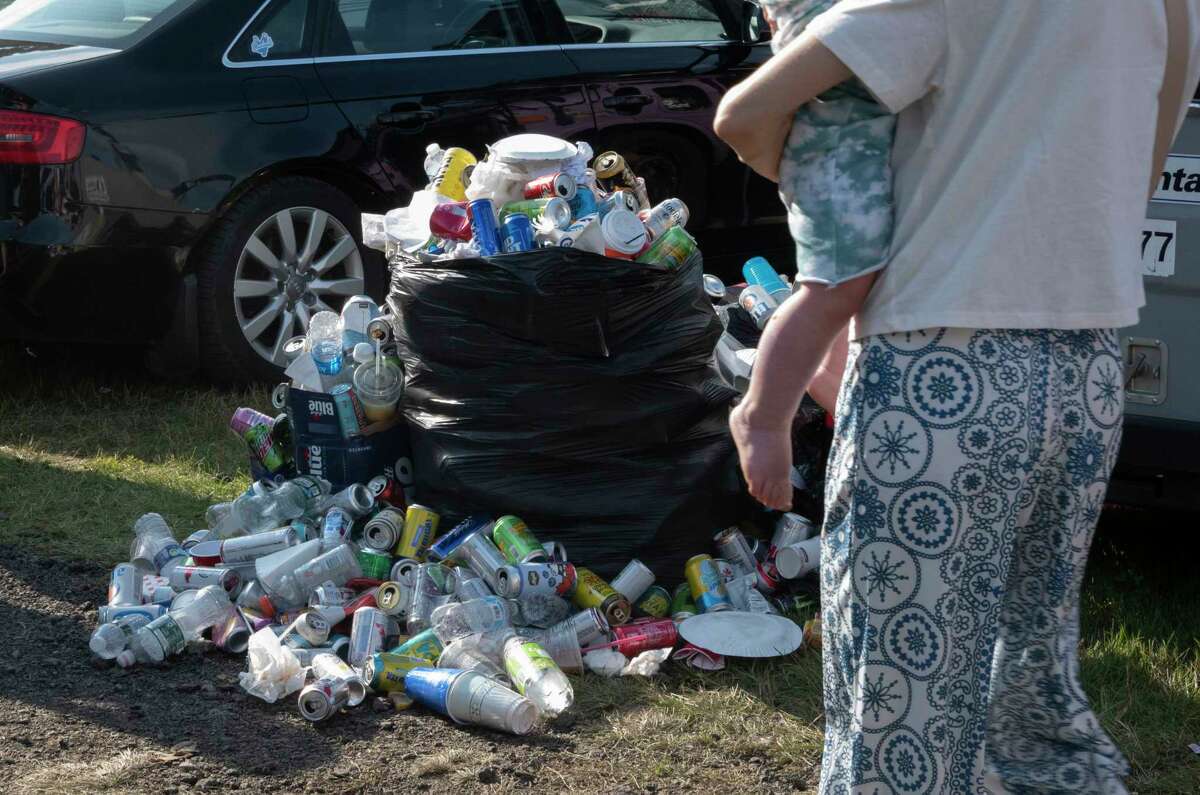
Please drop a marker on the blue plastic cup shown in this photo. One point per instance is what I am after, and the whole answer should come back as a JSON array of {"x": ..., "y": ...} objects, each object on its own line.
[{"x": 430, "y": 687}]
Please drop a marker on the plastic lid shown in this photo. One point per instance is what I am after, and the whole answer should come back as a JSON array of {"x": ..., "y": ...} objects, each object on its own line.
[
  {"x": 623, "y": 231},
  {"x": 534, "y": 146},
  {"x": 363, "y": 352},
  {"x": 383, "y": 380}
]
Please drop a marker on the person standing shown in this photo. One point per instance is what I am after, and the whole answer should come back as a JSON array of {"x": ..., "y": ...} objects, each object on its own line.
[{"x": 979, "y": 417}]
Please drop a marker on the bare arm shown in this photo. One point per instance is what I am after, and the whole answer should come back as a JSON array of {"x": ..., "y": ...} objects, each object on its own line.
[
  {"x": 1174, "y": 96},
  {"x": 755, "y": 116},
  {"x": 827, "y": 381}
]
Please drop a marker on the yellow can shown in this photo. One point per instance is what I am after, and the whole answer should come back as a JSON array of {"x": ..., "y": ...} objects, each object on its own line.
[
  {"x": 385, "y": 671},
  {"x": 592, "y": 591},
  {"x": 420, "y": 526},
  {"x": 708, "y": 590},
  {"x": 455, "y": 173}
]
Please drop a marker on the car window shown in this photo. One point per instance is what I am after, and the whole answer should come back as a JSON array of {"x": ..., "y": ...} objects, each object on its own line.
[
  {"x": 104, "y": 23},
  {"x": 284, "y": 30},
  {"x": 642, "y": 21},
  {"x": 371, "y": 27}
]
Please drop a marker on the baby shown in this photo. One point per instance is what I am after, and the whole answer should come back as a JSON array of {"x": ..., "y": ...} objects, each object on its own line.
[{"x": 835, "y": 177}]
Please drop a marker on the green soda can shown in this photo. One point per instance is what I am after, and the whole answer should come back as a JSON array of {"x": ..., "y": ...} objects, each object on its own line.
[
  {"x": 655, "y": 602},
  {"x": 516, "y": 542},
  {"x": 672, "y": 249},
  {"x": 682, "y": 605},
  {"x": 424, "y": 645},
  {"x": 375, "y": 565},
  {"x": 555, "y": 212}
]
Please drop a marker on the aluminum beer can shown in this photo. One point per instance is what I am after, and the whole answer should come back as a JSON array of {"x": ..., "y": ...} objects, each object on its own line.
[
  {"x": 246, "y": 549},
  {"x": 708, "y": 589},
  {"x": 633, "y": 580},
  {"x": 514, "y": 538},
  {"x": 330, "y": 595},
  {"x": 618, "y": 200},
  {"x": 481, "y": 555},
  {"x": 446, "y": 546},
  {"x": 555, "y": 552},
  {"x": 124, "y": 586},
  {"x": 517, "y": 234},
  {"x": 426, "y": 591},
  {"x": 368, "y": 630},
  {"x": 384, "y": 530},
  {"x": 336, "y": 527},
  {"x": 531, "y": 579},
  {"x": 375, "y": 565},
  {"x": 584, "y": 203},
  {"x": 420, "y": 526},
  {"x": 668, "y": 214},
  {"x": 725, "y": 570},
  {"x": 592, "y": 591},
  {"x": 350, "y": 414},
  {"x": 633, "y": 639},
  {"x": 385, "y": 671},
  {"x": 655, "y": 602},
  {"x": 404, "y": 571},
  {"x": 732, "y": 545},
  {"x": 484, "y": 227},
  {"x": 387, "y": 491},
  {"x": 323, "y": 698},
  {"x": 552, "y": 213},
  {"x": 561, "y": 185},
  {"x": 187, "y": 578},
  {"x": 394, "y": 599},
  {"x": 682, "y": 605},
  {"x": 424, "y": 645},
  {"x": 672, "y": 250}
]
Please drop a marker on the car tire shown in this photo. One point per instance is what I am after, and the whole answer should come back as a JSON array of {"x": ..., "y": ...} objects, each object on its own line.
[{"x": 246, "y": 271}]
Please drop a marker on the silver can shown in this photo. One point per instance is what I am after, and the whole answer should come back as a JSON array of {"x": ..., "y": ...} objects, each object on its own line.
[
  {"x": 330, "y": 595},
  {"x": 323, "y": 698},
  {"x": 527, "y": 580},
  {"x": 367, "y": 634},
  {"x": 405, "y": 571},
  {"x": 382, "y": 533},
  {"x": 672, "y": 212},
  {"x": 124, "y": 586},
  {"x": 588, "y": 625},
  {"x": 427, "y": 593},
  {"x": 247, "y": 549},
  {"x": 356, "y": 500},
  {"x": 732, "y": 546},
  {"x": 190, "y": 578},
  {"x": 634, "y": 580},
  {"x": 555, "y": 551},
  {"x": 483, "y": 557}
]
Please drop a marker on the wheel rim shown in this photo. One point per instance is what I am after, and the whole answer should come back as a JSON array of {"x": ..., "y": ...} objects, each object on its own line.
[{"x": 298, "y": 262}]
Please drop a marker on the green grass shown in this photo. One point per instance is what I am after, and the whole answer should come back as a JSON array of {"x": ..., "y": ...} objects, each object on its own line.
[{"x": 81, "y": 458}]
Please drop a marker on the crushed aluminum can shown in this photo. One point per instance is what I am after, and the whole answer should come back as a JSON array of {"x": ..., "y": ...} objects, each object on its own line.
[
  {"x": 633, "y": 639},
  {"x": 329, "y": 595},
  {"x": 323, "y": 699}
]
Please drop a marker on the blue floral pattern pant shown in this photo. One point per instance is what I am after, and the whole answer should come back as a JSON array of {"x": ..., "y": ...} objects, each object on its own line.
[{"x": 967, "y": 473}]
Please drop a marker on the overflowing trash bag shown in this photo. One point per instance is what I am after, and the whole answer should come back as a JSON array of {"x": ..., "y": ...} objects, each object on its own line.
[{"x": 574, "y": 389}]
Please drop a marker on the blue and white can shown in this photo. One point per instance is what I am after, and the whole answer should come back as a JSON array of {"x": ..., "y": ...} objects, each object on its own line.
[
  {"x": 350, "y": 414},
  {"x": 518, "y": 234},
  {"x": 335, "y": 529},
  {"x": 484, "y": 227}
]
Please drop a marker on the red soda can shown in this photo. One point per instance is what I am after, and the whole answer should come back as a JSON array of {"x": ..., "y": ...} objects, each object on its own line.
[
  {"x": 561, "y": 185},
  {"x": 451, "y": 221},
  {"x": 387, "y": 490},
  {"x": 633, "y": 639}
]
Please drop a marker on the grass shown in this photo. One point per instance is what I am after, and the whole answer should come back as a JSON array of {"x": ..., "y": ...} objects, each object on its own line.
[{"x": 81, "y": 458}]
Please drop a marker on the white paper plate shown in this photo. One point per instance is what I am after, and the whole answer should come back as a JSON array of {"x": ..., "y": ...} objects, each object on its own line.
[
  {"x": 737, "y": 634},
  {"x": 533, "y": 146}
]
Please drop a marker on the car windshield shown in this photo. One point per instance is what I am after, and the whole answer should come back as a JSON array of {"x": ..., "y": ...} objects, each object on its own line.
[{"x": 101, "y": 23}]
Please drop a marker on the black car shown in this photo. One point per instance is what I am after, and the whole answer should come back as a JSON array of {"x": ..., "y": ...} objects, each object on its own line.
[{"x": 191, "y": 172}]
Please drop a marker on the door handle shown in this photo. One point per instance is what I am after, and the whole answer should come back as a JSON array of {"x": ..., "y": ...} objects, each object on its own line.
[
  {"x": 402, "y": 118},
  {"x": 627, "y": 102}
]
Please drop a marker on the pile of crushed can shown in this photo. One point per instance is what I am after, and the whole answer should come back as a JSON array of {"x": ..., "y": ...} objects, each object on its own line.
[
  {"x": 532, "y": 191},
  {"x": 358, "y": 589}
]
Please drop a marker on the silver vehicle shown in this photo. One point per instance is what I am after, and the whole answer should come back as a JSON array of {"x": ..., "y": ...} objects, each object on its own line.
[{"x": 1160, "y": 455}]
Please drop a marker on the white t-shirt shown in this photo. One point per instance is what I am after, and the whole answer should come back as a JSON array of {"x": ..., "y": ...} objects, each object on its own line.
[{"x": 1022, "y": 157}]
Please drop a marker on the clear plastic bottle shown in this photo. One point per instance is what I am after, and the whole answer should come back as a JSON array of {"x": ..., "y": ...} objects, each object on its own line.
[
  {"x": 154, "y": 549},
  {"x": 434, "y": 154},
  {"x": 325, "y": 343},
  {"x": 459, "y": 619},
  {"x": 169, "y": 634},
  {"x": 255, "y": 512},
  {"x": 337, "y": 566},
  {"x": 110, "y": 639},
  {"x": 537, "y": 677}
]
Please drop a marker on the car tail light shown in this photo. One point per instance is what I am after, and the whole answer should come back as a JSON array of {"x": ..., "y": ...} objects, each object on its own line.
[{"x": 34, "y": 138}]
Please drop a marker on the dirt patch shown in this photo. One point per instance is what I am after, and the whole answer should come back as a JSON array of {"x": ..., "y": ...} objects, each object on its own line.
[{"x": 71, "y": 723}]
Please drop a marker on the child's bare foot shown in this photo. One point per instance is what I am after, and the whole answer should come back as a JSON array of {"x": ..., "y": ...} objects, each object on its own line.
[{"x": 766, "y": 457}]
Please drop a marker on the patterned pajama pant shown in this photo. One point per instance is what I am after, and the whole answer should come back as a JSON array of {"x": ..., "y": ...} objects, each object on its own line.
[{"x": 967, "y": 473}]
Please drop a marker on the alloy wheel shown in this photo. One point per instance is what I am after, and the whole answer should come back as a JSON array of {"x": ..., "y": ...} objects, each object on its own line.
[{"x": 298, "y": 262}]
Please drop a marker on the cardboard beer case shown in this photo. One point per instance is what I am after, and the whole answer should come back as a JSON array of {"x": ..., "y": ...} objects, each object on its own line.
[{"x": 322, "y": 449}]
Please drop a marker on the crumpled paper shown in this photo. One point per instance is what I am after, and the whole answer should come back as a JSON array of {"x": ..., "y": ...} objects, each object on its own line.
[{"x": 274, "y": 670}]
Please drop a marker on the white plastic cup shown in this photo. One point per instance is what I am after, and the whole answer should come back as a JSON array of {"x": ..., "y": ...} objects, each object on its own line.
[
  {"x": 475, "y": 699},
  {"x": 797, "y": 560}
]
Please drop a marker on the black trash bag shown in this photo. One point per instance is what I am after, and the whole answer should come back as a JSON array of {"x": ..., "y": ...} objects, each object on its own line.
[{"x": 574, "y": 391}]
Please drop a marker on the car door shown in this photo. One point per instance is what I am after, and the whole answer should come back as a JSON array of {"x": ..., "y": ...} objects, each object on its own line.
[
  {"x": 408, "y": 73},
  {"x": 655, "y": 71}
]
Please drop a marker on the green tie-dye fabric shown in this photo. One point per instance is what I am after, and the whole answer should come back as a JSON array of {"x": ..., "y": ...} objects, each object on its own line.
[{"x": 835, "y": 176}]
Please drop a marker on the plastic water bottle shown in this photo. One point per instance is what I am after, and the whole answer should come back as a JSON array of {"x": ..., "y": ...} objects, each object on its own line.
[
  {"x": 434, "y": 154},
  {"x": 758, "y": 271},
  {"x": 255, "y": 512},
  {"x": 459, "y": 619},
  {"x": 110, "y": 639},
  {"x": 537, "y": 677},
  {"x": 154, "y": 549},
  {"x": 169, "y": 634},
  {"x": 338, "y": 566},
  {"x": 325, "y": 343}
]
